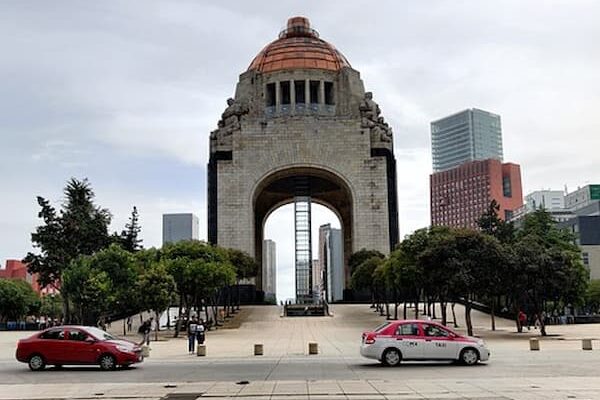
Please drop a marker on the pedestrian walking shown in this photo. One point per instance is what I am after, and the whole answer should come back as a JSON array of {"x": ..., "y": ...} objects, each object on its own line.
[
  {"x": 144, "y": 330},
  {"x": 191, "y": 332},
  {"x": 523, "y": 319},
  {"x": 200, "y": 332}
]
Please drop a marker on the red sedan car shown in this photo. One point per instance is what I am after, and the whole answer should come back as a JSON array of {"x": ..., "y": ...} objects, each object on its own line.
[{"x": 77, "y": 345}]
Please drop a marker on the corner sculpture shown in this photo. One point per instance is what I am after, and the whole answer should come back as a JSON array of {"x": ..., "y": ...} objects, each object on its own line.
[{"x": 372, "y": 120}]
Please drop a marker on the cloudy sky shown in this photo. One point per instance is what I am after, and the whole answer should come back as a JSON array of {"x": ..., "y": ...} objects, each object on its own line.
[{"x": 125, "y": 93}]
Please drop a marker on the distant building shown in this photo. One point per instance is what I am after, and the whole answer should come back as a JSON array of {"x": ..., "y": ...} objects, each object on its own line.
[
  {"x": 583, "y": 197},
  {"x": 459, "y": 196},
  {"x": 177, "y": 227},
  {"x": 553, "y": 201},
  {"x": 317, "y": 280},
  {"x": 269, "y": 270},
  {"x": 15, "y": 269},
  {"x": 465, "y": 136},
  {"x": 331, "y": 260},
  {"x": 587, "y": 236}
]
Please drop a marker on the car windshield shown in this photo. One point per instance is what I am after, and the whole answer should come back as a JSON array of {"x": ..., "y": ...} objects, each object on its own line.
[
  {"x": 100, "y": 334},
  {"x": 380, "y": 327}
]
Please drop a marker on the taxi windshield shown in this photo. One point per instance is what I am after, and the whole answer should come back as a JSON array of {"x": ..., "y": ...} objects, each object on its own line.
[{"x": 381, "y": 327}]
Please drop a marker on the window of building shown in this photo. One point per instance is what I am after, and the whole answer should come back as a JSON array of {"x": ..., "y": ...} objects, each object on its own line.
[
  {"x": 329, "y": 93},
  {"x": 270, "y": 95},
  {"x": 314, "y": 91},
  {"x": 586, "y": 259},
  {"x": 286, "y": 95},
  {"x": 299, "y": 88},
  {"x": 506, "y": 187}
]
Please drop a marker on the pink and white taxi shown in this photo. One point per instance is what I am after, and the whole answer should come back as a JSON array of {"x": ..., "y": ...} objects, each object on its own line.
[{"x": 395, "y": 341}]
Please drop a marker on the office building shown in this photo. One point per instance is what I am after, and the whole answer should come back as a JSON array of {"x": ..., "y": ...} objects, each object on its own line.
[
  {"x": 16, "y": 269},
  {"x": 177, "y": 227},
  {"x": 552, "y": 201},
  {"x": 331, "y": 259},
  {"x": 269, "y": 270},
  {"x": 465, "y": 136},
  {"x": 317, "y": 280},
  {"x": 459, "y": 196},
  {"x": 587, "y": 236},
  {"x": 586, "y": 196}
]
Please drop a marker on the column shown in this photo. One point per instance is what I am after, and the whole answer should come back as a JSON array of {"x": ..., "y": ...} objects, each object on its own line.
[
  {"x": 277, "y": 97},
  {"x": 292, "y": 97}
]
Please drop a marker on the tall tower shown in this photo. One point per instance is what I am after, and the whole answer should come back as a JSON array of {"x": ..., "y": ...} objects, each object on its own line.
[
  {"x": 300, "y": 114},
  {"x": 465, "y": 136}
]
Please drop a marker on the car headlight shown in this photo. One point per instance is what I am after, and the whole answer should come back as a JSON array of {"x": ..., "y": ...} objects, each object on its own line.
[{"x": 124, "y": 349}]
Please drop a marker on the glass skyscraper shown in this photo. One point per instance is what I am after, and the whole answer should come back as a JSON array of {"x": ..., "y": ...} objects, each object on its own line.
[{"x": 465, "y": 136}]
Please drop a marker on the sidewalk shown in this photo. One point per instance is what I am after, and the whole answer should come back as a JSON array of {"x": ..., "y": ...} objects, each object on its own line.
[{"x": 482, "y": 389}]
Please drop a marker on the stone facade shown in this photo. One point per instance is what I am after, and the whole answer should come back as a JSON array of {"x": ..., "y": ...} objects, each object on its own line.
[{"x": 262, "y": 144}]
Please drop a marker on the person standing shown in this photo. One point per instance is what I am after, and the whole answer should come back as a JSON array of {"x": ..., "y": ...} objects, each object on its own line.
[
  {"x": 191, "y": 331},
  {"x": 129, "y": 323}
]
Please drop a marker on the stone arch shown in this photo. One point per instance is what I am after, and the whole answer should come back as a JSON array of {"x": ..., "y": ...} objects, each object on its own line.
[{"x": 327, "y": 188}]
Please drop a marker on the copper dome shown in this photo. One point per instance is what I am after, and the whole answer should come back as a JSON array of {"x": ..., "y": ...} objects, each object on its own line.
[{"x": 298, "y": 47}]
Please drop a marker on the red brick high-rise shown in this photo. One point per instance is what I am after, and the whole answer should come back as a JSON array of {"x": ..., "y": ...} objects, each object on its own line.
[{"x": 460, "y": 195}]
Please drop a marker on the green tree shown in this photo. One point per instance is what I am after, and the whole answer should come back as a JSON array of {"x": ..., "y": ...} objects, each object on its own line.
[
  {"x": 129, "y": 237},
  {"x": 546, "y": 266},
  {"x": 245, "y": 267},
  {"x": 592, "y": 295},
  {"x": 490, "y": 223},
  {"x": 360, "y": 257},
  {"x": 362, "y": 277},
  {"x": 89, "y": 289},
  {"x": 51, "y": 306},
  {"x": 17, "y": 299},
  {"x": 156, "y": 288},
  {"x": 80, "y": 228}
]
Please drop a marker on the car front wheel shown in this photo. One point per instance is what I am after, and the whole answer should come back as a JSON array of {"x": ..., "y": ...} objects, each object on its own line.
[
  {"x": 469, "y": 356},
  {"x": 36, "y": 362},
  {"x": 107, "y": 362},
  {"x": 391, "y": 357}
]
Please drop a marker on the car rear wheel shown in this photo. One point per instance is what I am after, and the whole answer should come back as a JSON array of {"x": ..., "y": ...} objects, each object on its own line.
[
  {"x": 469, "y": 356},
  {"x": 36, "y": 362},
  {"x": 107, "y": 362},
  {"x": 391, "y": 357}
]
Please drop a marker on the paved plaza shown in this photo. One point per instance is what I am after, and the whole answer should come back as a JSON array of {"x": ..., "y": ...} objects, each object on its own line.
[{"x": 560, "y": 370}]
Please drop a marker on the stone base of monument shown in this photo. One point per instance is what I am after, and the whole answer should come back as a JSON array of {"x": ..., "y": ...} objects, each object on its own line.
[{"x": 305, "y": 310}]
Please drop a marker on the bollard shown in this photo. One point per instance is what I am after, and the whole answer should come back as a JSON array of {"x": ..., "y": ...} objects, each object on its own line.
[
  {"x": 258, "y": 349},
  {"x": 145, "y": 351},
  {"x": 586, "y": 344},
  {"x": 201, "y": 350},
  {"x": 534, "y": 344},
  {"x": 313, "y": 348}
]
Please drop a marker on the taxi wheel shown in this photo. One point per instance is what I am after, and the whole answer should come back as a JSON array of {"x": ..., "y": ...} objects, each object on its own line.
[
  {"x": 469, "y": 356},
  {"x": 107, "y": 362},
  {"x": 391, "y": 357},
  {"x": 36, "y": 362}
]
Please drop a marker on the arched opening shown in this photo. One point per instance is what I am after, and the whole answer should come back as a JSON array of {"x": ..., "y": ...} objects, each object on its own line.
[
  {"x": 279, "y": 227},
  {"x": 325, "y": 188}
]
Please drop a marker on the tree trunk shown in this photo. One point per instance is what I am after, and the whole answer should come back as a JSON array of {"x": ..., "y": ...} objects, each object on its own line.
[
  {"x": 239, "y": 295},
  {"x": 396, "y": 305},
  {"x": 417, "y": 308},
  {"x": 433, "y": 310},
  {"x": 444, "y": 311},
  {"x": 124, "y": 327},
  {"x": 454, "y": 315},
  {"x": 157, "y": 326},
  {"x": 178, "y": 324},
  {"x": 492, "y": 314},
  {"x": 468, "y": 317},
  {"x": 405, "y": 307}
]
